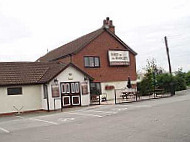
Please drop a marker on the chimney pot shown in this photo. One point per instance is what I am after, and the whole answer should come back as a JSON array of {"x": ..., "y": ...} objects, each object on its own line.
[{"x": 108, "y": 24}]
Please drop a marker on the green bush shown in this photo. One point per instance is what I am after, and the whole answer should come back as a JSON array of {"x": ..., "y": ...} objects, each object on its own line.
[
  {"x": 155, "y": 77},
  {"x": 187, "y": 78},
  {"x": 180, "y": 83},
  {"x": 164, "y": 81}
]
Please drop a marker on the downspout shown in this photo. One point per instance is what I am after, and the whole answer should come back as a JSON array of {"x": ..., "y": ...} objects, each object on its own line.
[
  {"x": 48, "y": 102},
  {"x": 47, "y": 98}
]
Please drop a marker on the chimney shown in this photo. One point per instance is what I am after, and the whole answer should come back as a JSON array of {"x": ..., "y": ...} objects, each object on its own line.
[{"x": 108, "y": 24}]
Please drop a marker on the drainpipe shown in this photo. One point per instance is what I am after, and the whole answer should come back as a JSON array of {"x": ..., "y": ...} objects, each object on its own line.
[
  {"x": 47, "y": 97},
  {"x": 48, "y": 102}
]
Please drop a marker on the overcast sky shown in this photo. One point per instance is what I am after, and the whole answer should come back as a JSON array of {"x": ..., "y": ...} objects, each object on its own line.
[{"x": 29, "y": 27}]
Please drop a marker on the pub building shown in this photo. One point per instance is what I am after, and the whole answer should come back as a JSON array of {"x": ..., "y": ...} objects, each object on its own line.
[
  {"x": 102, "y": 55},
  {"x": 94, "y": 64}
]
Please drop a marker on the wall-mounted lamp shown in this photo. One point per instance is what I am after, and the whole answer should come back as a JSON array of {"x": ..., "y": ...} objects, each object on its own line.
[
  {"x": 85, "y": 78},
  {"x": 55, "y": 81}
]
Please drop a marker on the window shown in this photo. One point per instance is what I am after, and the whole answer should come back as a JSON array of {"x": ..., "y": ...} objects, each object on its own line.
[
  {"x": 91, "y": 62},
  {"x": 65, "y": 88},
  {"x": 14, "y": 91},
  {"x": 45, "y": 91},
  {"x": 95, "y": 88}
]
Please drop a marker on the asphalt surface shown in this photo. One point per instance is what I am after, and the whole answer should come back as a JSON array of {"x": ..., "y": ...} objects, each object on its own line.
[{"x": 159, "y": 120}]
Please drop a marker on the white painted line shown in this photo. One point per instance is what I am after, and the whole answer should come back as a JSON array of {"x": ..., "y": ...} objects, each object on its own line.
[
  {"x": 120, "y": 109},
  {"x": 139, "y": 106},
  {"x": 66, "y": 119},
  {"x": 4, "y": 130},
  {"x": 20, "y": 117},
  {"x": 84, "y": 114},
  {"x": 113, "y": 112},
  {"x": 35, "y": 119}
]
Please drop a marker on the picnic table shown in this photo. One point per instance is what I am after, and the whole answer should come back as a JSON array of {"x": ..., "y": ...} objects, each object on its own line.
[
  {"x": 159, "y": 91},
  {"x": 125, "y": 94}
]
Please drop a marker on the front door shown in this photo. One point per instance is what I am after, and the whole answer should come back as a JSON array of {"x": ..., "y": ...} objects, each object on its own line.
[{"x": 70, "y": 94}]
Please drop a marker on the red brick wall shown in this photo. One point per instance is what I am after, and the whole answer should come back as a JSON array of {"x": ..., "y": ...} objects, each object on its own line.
[{"x": 99, "y": 47}]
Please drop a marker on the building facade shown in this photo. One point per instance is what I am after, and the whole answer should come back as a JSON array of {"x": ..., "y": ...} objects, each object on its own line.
[
  {"x": 101, "y": 54},
  {"x": 31, "y": 86}
]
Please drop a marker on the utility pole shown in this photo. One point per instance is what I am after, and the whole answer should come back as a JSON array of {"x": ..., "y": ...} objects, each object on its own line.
[
  {"x": 172, "y": 89},
  {"x": 168, "y": 55}
]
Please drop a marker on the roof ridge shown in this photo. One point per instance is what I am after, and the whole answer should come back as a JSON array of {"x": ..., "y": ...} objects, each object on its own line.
[
  {"x": 83, "y": 45},
  {"x": 122, "y": 42},
  {"x": 71, "y": 47},
  {"x": 88, "y": 42},
  {"x": 78, "y": 44},
  {"x": 74, "y": 40}
]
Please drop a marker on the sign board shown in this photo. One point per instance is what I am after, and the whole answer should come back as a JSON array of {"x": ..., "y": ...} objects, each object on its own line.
[
  {"x": 55, "y": 91},
  {"x": 84, "y": 87},
  {"x": 118, "y": 58}
]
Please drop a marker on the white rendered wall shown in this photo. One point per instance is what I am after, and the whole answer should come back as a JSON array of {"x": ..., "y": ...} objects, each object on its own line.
[
  {"x": 29, "y": 100},
  {"x": 117, "y": 85}
]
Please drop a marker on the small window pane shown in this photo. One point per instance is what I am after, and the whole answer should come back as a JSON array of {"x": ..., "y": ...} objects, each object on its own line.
[
  {"x": 14, "y": 91},
  {"x": 86, "y": 62},
  {"x": 91, "y": 61},
  {"x": 92, "y": 84},
  {"x": 73, "y": 88},
  {"x": 97, "y": 63},
  {"x": 77, "y": 87},
  {"x": 63, "y": 88},
  {"x": 67, "y": 88}
]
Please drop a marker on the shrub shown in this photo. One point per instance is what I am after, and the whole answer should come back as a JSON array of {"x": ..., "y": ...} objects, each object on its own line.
[
  {"x": 180, "y": 83},
  {"x": 164, "y": 80},
  {"x": 187, "y": 78}
]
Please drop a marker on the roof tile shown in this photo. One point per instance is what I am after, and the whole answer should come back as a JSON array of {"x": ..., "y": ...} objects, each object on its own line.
[{"x": 14, "y": 73}]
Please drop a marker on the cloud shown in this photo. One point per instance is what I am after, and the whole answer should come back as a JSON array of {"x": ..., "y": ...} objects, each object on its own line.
[
  {"x": 29, "y": 28},
  {"x": 11, "y": 29},
  {"x": 148, "y": 41}
]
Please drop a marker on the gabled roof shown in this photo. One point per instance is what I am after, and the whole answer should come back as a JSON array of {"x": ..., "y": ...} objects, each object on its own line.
[
  {"x": 26, "y": 73},
  {"x": 78, "y": 44}
]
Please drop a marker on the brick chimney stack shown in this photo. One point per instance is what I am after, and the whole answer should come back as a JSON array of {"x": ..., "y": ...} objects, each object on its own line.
[{"x": 108, "y": 24}]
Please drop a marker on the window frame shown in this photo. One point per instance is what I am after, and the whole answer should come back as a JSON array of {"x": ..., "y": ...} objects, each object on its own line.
[
  {"x": 15, "y": 93},
  {"x": 87, "y": 60},
  {"x": 98, "y": 91}
]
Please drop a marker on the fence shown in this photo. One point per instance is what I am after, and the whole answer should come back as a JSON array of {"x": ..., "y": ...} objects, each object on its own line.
[
  {"x": 132, "y": 95},
  {"x": 98, "y": 99}
]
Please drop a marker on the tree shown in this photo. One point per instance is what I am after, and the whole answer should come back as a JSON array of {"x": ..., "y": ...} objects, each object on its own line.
[
  {"x": 148, "y": 84},
  {"x": 187, "y": 78},
  {"x": 155, "y": 78}
]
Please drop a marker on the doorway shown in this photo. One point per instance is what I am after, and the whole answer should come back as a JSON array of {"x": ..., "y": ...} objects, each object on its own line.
[{"x": 70, "y": 94}]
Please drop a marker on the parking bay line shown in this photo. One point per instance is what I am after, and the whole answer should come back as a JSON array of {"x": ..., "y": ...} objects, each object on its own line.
[
  {"x": 40, "y": 120},
  {"x": 84, "y": 114},
  {"x": 4, "y": 130},
  {"x": 110, "y": 112}
]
